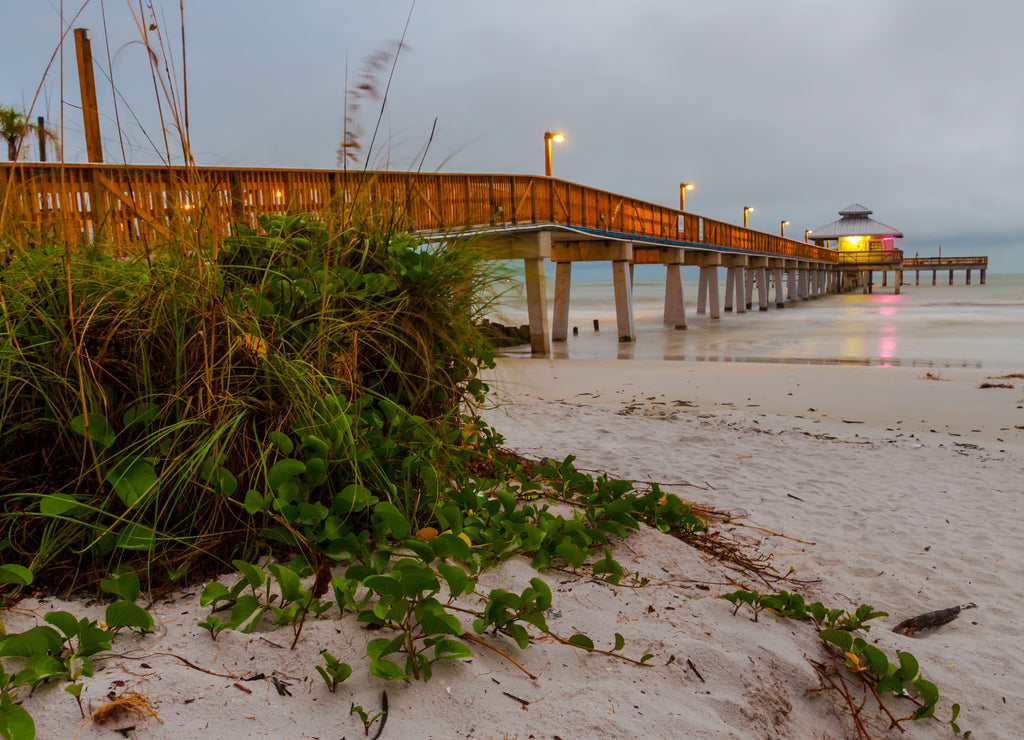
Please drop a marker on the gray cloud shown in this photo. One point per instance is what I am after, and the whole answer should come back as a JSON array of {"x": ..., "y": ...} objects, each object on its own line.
[{"x": 797, "y": 107}]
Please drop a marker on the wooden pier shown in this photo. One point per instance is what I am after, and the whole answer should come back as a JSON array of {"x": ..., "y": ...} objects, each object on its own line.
[{"x": 130, "y": 209}]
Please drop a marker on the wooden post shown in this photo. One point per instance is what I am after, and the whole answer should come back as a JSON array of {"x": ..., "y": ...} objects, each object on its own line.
[
  {"x": 90, "y": 111},
  {"x": 982, "y": 277},
  {"x": 560, "y": 324},
  {"x": 917, "y": 277},
  {"x": 933, "y": 276},
  {"x": 899, "y": 282},
  {"x": 41, "y": 135},
  {"x": 968, "y": 276},
  {"x": 623, "y": 301},
  {"x": 950, "y": 277}
]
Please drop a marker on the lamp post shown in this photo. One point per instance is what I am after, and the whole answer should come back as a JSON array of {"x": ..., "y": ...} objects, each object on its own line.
[
  {"x": 746, "y": 210},
  {"x": 683, "y": 187},
  {"x": 782, "y": 228},
  {"x": 549, "y": 136},
  {"x": 807, "y": 233}
]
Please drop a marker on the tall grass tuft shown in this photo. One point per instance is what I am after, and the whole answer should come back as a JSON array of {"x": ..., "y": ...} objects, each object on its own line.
[{"x": 173, "y": 410}]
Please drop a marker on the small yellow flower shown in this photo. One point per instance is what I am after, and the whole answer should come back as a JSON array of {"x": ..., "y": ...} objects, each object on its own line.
[{"x": 853, "y": 663}]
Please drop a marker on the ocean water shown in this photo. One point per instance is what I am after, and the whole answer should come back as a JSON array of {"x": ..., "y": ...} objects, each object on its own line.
[{"x": 927, "y": 326}]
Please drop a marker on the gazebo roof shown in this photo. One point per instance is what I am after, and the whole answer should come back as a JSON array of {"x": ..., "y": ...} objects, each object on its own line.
[{"x": 855, "y": 221}]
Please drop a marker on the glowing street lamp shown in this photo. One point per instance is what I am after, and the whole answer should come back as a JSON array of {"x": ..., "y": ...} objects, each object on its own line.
[
  {"x": 807, "y": 233},
  {"x": 746, "y": 210},
  {"x": 556, "y": 136},
  {"x": 782, "y": 228},
  {"x": 683, "y": 187}
]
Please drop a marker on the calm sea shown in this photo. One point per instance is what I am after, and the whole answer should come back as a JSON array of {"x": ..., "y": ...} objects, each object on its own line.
[{"x": 929, "y": 326}]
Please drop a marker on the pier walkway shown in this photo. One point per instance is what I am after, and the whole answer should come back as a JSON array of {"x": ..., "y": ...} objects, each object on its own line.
[{"x": 132, "y": 208}]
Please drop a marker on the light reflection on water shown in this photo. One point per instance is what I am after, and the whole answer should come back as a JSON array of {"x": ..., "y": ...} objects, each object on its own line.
[{"x": 925, "y": 326}]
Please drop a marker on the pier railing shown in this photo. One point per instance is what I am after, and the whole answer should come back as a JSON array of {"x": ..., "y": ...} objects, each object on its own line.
[
  {"x": 913, "y": 263},
  {"x": 874, "y": 257},
  {"x": 130, "y": 207}
]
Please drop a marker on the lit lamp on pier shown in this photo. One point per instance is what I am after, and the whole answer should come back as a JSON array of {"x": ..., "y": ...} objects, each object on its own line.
[
  {"x": 807, "y": 233},
  {"x": 746, "y": 211},
  {"x": 556, "y": 136},
  {"x": 683, "y": 187},
  {"x": 782, "y": 227}
]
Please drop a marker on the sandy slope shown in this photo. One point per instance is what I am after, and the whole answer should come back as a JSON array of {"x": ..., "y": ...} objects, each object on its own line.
[{"x": 889, "y": 512}]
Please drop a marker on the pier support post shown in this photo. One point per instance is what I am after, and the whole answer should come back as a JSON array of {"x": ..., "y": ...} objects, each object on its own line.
[
  {"x": 804, "y": 279},
  {"x": 533, "y": 249},
  {"x": 885, "y": 278},
  {"x": 762, "y": 288},
  {"x": 917, "y": 277},
  {"x": 675, "y": 309},
  {"x": 748, "y": 288},
  {"x": 780, "y": 302},
  {"x": 982, "y": 281},
  {"x": 792, "y": 288},
  {"x": 899, "y": 281},
  {"x": 734, "y": 283},
  {"x": 707, "y": 292},
  {"x": 968, "y": 277},
  {"x": 623, "y": 301},
  {"x": 950, "y": 277},
  {"x": 537, "y": 304},
  {"x": 933, "y": 276},
  {"x": 560, "y": 323}
]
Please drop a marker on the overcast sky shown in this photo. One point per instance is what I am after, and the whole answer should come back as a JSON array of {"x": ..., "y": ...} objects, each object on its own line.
[{"x": 799, "y": 108}]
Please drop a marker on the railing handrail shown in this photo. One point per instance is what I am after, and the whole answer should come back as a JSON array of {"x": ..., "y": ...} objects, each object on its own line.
[{"x": 125, "y": 204}]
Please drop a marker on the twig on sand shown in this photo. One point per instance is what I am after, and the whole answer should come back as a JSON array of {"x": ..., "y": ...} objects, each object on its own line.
[{"x": 474, "y": 638}]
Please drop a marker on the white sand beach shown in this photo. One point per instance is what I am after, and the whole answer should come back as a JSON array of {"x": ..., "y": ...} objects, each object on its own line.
[{"x": 882, "y": 486}]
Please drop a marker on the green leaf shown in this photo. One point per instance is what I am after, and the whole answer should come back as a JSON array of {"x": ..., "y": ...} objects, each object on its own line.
[
  {"x": 283, "y": 471},
  {"x": 254, "y": 502},
  {"x": 281, "y": 441},
  {"x": 382, "y": 646},
  {"x": 519, "y": 634},
  {"x": 457, "y": 579},
  {"x": 99, "y": 429},
  {"x": 60, "y": 504},
  {"x": 387, "y": 670},
  {"x": 38, "y": 667},
  {"x": 422, "y": 549},
  {"x": 928, "y": 692},
  {"x": 128, "y": 614},
  {"x": 620, "y": 642},
  {"x": 288, "y": 581},
  {"x": 451, "y": 649},
  {"x": 16, "y": 722},
  {"x": 391, "y": 520},
  {"x": 384, "y": 585},
  {"x": 37, "y": 640},
  {"x": 840, "y": 638},
  {"x": 439, "y": 623},
  {"x": 132, "y": 477},
  {"x": 19, "y": 575},
  {"x": 908, "y": 666},
  {"x": 124, "y": 584},
  {"x": 135, "y": 536},
  {"x": 876, "y": 659},
  {"x": 582, "y": 641},
  {"x": 213, "y": 593},
  {"x": 448, "y": 545},
  {"x": 253, "y": 574},
  {"x": 65, "y": 622}
]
